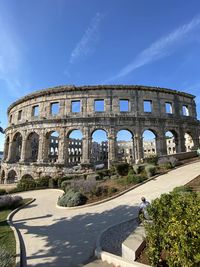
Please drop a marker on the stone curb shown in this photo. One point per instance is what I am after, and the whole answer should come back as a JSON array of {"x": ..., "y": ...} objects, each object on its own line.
[
  {"x": 16, "y": 233},
  {"x": 123, "y": 192},
  {"x": 112, "y": 258}
]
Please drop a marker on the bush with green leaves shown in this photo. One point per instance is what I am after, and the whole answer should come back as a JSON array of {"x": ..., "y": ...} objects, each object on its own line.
[
  {"x": 66, "y": 185},
  {"x": 2, "y": 192},
  {"x": 174, "y": 230},
  {"x": 6, "y": 259},
  {"x": 151, "y": 159},
  {"x": 150, "y": 170},
  {"x": 164, "y": 163},
  {"x": 173, "y": 161},
  {"x": 65, "y": 178},
  {"x": 122, "y": 168},
  {"x": 72, "y": 198},
  {"x": 103, "y": 173},
  {"x": 8, "y": 201},
  {"x": 42, "y": 182},
  {"x": 26, "y": 184},
  {"x": 139, "y": 168}
]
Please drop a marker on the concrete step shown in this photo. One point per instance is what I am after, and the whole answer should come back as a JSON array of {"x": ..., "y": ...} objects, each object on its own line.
[{"x": 98, "y": 263}]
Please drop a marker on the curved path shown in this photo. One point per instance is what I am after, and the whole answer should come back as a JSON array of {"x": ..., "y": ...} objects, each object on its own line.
[{"x": 66, "y": 238}]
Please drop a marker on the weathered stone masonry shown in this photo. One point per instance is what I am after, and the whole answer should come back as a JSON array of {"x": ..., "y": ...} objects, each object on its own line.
[{"x": 32, "y": 120}]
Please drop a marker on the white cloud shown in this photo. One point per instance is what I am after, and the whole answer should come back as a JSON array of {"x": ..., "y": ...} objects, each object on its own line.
[
  {"x": 160, "y": 48},
  {"x": 86, "y": 44}
]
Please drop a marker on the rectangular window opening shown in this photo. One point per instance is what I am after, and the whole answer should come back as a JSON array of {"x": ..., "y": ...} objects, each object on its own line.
[
  {"x": 124, "y": 105},
  {"x": 185, "y": 110},
  {"x": 19, "y": 115},
  {"x": 35, "y": 111},
  {"x": 55, "y": 108},
  {"x": 168, "y": 107},
  {"x": 147, "y": 105},
  {"x": 99, "y": 105},
  {"x": 76, "y": 106},
  {"x": 10, "y": 120}
]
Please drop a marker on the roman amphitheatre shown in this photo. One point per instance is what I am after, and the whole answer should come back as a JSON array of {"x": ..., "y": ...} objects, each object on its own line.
[{"x": 38, "y": 138}]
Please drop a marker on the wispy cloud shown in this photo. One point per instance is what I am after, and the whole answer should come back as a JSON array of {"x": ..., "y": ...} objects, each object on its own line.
[
  {"x": 10, "y": 58},
  {"x": 160, "y": 48},
  {"x": 87, "y": 42}
]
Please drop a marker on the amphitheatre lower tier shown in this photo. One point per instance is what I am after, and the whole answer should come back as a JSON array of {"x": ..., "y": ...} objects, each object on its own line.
[{"x": 39, "y": 139}]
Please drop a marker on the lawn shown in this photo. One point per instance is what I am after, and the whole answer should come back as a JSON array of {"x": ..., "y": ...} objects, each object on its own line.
[{"x": 7, "y": 238}]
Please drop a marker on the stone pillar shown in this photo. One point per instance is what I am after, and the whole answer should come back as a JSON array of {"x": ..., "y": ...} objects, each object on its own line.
[
  {"x": 23, "y": 150},
  {"x": 41, "y": 148},
  {"x": 133, "y": 149},
  {"x": 139, "y": 153},
  {"x": 61, "y": 147},
  {"x": 181, "y": 142},
  {"x": 112, "y": 150},
  {"x": 86, "y": 147},
  {"x": 161, "y": 146}
]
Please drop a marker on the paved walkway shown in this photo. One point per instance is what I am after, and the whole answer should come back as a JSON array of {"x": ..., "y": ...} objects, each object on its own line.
[{"x": 66, "y": 238}]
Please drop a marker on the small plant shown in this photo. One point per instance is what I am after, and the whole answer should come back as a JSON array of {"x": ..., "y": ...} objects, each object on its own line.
[
  {"x": 53, "y": 182},
  {"x": 150, "y": 170},
  {"x": 65, "y": 178},
  {"x": 122, "y": 168},
  {"x": 152, "y": 159},
  {"x": 173, "y": 161},
  {"x": 72, "y": 198}
]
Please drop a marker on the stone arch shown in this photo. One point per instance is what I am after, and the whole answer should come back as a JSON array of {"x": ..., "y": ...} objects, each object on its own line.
[
  {"x": 99, "y": 148},
  {"x": 3, "y": 174},
  {"x": 7, "y": 144},
  {"x": 149, "y": 137},
  {"x": 74, "y": 146},
  {"x": 51, "y": 146},
  {"x": 16, "y": 147},
  {"x": 32, "y": 146},
  {"x": 171, "y": 138},
  {"x": 125, "y": 145},
  {"x": 12, "y": 177},
  {"x": 27, "y": 177}
]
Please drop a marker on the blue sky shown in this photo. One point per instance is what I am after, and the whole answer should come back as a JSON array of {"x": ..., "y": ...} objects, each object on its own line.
[{"x": 48, "y": 43}]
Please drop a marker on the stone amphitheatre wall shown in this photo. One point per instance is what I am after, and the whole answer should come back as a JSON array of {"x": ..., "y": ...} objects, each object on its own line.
[{"x": 32, "y": 119}]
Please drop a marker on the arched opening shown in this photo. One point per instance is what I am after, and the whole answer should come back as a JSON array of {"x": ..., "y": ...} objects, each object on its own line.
[
  {"x": 171, "y": 142},
  {"x": 52, "y": 144},
  {"x": 189, "y": 143},
  {"x": 27, "y": 177},
  {"x": 32, "y": 144},
  {"x": 12, "y": 177},
  {"x": 99, "y": 149},
  {"x": 6, "y": 148},
  {"x": 125, "y": 146},
  {"x": 2, "y": 177},
  {"x": 74, "y": 147},
  {"x": 16, "y": 148},
  {"x": 149, "y": 143}
]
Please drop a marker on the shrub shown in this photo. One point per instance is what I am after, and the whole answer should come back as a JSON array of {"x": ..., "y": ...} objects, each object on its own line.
[
  {"x": 26, "y": 184},
  {"x": 182, "y": 189},
  {"x": 84, "y": 186},
  {"x": 164, "y": 163},
  {"x": 65, "y": 185},
  {"x": 3, "y": 192},
  {"x": 6, "y": 258},
  {"x": 173, "y": 161},
  {"x": 152, "y": 159},
  {"x": 175, "y": 229},
  {"x": 150, "y": 170},
  {"x": 103, "y": 173},
  {"x": 61, "y": 179},
  {"x": 122, "y": 168},
  {"x": 8, "y": 201},
  {"x": 71, "y": 199},
  {"x": 139, "y": 168},
  {"x": 42, "y": 182}
]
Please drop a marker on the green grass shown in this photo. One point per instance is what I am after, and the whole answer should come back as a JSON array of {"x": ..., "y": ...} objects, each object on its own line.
[{"x": 7, "y": 238}]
